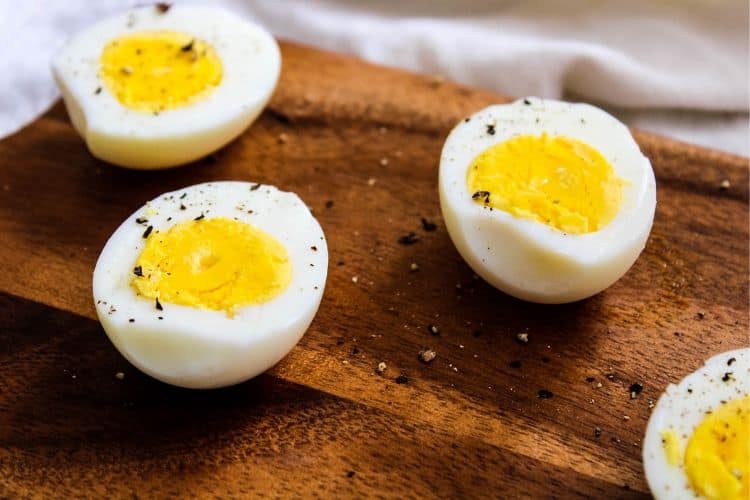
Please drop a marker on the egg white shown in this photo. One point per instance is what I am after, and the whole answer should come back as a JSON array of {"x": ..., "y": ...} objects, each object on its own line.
[
  {"x": 201, "y": 348},
  {"x": 251, "y": 63},
  {"x": 526, "y": 258},
  {"x": 683, "y": 411}
]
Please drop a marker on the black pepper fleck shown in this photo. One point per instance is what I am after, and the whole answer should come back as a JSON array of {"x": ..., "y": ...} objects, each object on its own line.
[
  {"x": 428, "y": 225},
  {"x": 255, "y": 187},
  {"x": 544, "y": 394},
  {"x": 188, "y": 47},
  {"x": 527, "y": 102},
  {"x": 730, "y": 361},
  {"x": 147, "y": 232},
  {"x": 141, "y": 220},
  {"x": 727, "y": 377},
  {"x": 131, "y": 320},
  {"x": 350, "y": 473},
  {"x": 402, "y": 379},
  {"x": 635, "y": 389},
  {"x": 329, "y": 204},
  {"x": 590, "y": 379},
  {"x": 491, "y": 129},
  {"x": 409, "y": 239},
  {"x": 200, "y": 217},
  {"x": 481, "y": 194},
  {"x": 314, "y": 248},
  {"x": 158, "y": 305},
  {"x": 98, "y": 91},
  {"x": 138, "y": 271}
]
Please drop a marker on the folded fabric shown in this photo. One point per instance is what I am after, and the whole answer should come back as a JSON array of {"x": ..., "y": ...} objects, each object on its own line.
[{"x": 679, "y": 67}]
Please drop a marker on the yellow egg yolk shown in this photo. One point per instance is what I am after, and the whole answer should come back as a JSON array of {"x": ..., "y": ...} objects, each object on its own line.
[
  {"x": 717, "y": 454},
  {"x": 672, "y": 448},
  {"x": 555, "y": 180},
  {"x": 159, "y": 70},
  {"x": 216, "y": 263}
]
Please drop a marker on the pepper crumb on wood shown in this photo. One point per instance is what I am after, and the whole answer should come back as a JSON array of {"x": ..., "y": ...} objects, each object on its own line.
[
  {"x": 544, "y": 394},
  {"x": 428, "y": 226},
  {"x": 635, "y": 389},
  {"x": 409, "y": 238}
]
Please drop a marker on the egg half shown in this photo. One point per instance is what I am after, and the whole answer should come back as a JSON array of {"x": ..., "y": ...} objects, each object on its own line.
[
  {"x": 548, "y": 201},
  {"x": 210, "y": 285},
  {"x": 160, "y": 86},
  {"x": 697, "y": 442}
]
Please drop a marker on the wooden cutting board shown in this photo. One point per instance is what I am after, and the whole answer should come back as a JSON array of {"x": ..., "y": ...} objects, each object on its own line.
[{"x": 360, "y": 144}]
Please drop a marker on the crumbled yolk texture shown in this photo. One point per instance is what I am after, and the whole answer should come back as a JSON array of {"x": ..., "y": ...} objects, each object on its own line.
[
  {"x": 717, "y": 454},
  {"x": 555, "y": 180},
  {"x": 159, "y": 70},
  {"x": 217, "y": 263}
]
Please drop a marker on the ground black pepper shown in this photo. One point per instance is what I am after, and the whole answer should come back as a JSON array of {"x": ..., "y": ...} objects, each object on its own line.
[
  {"x": 544, "y": 394},
  {"x": 481, "y": 194},
  {"x": 408, "y": 239},
  {"x": 635, "y": 389},
  {"x": 428, "y": 226}
]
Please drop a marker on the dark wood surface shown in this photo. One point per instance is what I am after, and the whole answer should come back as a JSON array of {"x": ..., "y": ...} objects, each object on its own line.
[{"x": 323, "y": 422}]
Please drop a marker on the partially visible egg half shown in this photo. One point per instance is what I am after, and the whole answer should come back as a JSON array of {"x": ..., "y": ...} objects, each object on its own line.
[
  {"x": 697, "y": 442},
  {"x": 210, "y": 285},
  {"x": 548, "y": 201},
  {"x": 160, "y": 86}
]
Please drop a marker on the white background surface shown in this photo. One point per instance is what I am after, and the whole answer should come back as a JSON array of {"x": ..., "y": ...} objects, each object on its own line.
[{"x": 676, "y": 67}]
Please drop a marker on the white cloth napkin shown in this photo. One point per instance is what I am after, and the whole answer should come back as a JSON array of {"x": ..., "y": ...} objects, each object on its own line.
[{"x": 678, "y": 67}]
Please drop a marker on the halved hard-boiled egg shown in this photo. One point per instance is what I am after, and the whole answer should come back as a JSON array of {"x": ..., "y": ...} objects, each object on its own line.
[
  {"x": 213, "y": 284},
  {"x": 548, "y": 201},
  {"x": 697, "y": 442},
  {"x": 159, "y": 86}
]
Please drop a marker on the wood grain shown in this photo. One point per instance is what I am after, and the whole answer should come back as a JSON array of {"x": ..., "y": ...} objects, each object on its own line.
[{"x": 323, "y": 423}]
